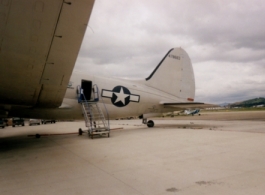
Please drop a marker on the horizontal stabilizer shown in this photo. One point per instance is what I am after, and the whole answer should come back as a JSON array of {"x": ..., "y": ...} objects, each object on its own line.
[{"x": 188, "y": 105}]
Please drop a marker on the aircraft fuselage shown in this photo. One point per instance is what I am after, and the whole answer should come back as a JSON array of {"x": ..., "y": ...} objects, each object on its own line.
[
  {"x": 172, "y": 81},
  {"x": 121, "y": 98}
]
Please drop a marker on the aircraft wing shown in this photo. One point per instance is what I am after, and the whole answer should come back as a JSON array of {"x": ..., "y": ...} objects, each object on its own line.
[
  {"x": 39, "y": 44},
  {"x": 188, "y": 105}
]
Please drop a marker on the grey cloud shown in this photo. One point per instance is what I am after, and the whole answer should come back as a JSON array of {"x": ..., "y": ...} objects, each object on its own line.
[{"x": 216, "y": 23}]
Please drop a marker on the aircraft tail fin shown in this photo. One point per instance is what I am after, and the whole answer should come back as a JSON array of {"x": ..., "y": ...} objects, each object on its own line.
[{"x": 174, "y": 75}]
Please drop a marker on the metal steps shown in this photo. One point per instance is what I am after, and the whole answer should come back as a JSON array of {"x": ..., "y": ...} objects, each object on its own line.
[{"x": 94, "y": 119}]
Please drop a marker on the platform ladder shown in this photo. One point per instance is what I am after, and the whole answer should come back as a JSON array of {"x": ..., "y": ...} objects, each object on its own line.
[{"x": 95, "y": 120}]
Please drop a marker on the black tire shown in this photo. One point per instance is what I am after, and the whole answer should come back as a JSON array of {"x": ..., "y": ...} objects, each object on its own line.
[
  {"x": 23, "y": 124},
  {"x": 150, "y": 123},
  {"x": 13, "y": 125},
  {"x": 80, "y": 132},
  {"x": 37, "y": 136},
  {"x": 108, "y": 134}
]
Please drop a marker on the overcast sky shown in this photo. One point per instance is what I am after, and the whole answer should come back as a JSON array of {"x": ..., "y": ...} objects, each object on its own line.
[{"x": 225, "y": 40}]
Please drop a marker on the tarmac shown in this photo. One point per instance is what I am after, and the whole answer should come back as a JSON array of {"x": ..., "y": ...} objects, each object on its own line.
[{"x": 198, "y": 155}]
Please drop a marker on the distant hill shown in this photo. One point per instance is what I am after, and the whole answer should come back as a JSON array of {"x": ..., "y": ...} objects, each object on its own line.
[
  {"x": 249, "y": 103},
  {"x": 224, "y": 104}
]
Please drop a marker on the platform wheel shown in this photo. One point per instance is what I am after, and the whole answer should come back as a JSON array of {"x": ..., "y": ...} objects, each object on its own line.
[
  {"x": 80, "y": 132},
  {"x": 37, "y": 136}
]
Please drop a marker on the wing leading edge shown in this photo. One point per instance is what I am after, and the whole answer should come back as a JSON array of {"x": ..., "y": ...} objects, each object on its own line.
[{"x": 40, "y": 41}]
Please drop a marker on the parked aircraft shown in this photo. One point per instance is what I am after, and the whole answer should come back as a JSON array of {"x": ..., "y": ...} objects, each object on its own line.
[
  {"x": 182, "y": 112},
  {"x": 192, "y": 112},
  {"x": 36, "y": 69}
]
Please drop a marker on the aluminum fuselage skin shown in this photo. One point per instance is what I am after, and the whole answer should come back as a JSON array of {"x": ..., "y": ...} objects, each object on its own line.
[{"x": 149, "y": 100}]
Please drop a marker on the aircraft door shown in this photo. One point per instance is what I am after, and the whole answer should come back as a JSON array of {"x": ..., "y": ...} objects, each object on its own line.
[{"x": 86, "y": 89}]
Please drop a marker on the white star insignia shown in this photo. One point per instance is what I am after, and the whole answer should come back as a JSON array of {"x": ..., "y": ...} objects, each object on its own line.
[{"x": 120, "y": 96}]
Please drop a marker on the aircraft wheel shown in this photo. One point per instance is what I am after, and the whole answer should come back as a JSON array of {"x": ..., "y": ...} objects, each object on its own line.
[
  {"x": 150, "y": 123},
  {"x": 108, "y": 134},
  {"x": 199, "y": 114}
]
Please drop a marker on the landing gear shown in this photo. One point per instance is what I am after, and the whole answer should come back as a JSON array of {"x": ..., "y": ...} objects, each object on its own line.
[{"x": 149, "y": 123}]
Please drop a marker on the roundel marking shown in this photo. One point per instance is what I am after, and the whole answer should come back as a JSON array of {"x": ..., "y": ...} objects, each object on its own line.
[{"x": 120, "y": 96}]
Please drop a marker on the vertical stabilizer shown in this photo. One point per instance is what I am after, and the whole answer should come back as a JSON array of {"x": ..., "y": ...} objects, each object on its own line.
[{"x": 174, "y": 75}]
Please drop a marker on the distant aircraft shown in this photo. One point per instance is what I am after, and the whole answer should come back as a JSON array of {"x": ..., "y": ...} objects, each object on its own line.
[
  {"x": 192, "y": 112},
  {"x": 173, "y": 114},
  {"x": 37, "y": 58}
]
